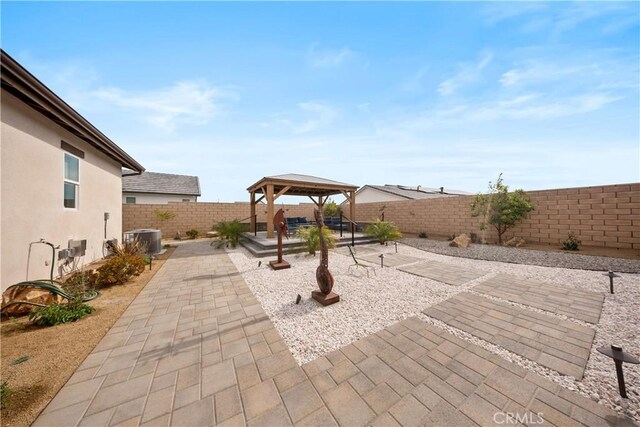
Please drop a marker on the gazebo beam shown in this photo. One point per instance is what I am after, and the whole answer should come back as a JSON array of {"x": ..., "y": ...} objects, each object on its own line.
[
  {"x": 281, "y": 192},
  {"x": 253, "y": 213},
  {"x": 352, "y": 209},
  {"x": 270, "y": 211}
]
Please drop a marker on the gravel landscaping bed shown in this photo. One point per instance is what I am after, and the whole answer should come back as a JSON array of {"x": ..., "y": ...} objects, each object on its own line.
[
  {"x": 368, "y": 304},
  {"x": 527, "y": 256}
]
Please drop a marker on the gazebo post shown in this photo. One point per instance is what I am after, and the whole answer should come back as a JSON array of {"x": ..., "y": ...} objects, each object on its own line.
[
  {"x": 269, "y": 211},
  {"x": 253, "y": 212},
  {"x": 352, "y": 209}
]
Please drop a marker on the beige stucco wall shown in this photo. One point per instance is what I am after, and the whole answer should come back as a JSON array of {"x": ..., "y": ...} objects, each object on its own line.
[
  {"x": 31, "y": 170},
  {"x": 156, "y": 199}
]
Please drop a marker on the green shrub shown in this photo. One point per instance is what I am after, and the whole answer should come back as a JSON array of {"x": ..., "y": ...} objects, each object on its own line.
[
  {"x": 54, "y": 314},
  {"x": 133, "y": 247},
  {"x": 501, "y": 208},
  {"x": 80, "y": 280},
  {"x": 164, "y": 216},
  {"x": 119, "y": 269},
  {"x": 310, "y": 238},
  {"x": 422, "y": 235},
  {"x": 383, "y": 231},
  {"x": 193, "y": 233},
  {"x": 229, "y": 233},
  {"x": 331, "y": 209},
  {"x": 572, "y": 243},
  {"x": 5, "y": 393}
]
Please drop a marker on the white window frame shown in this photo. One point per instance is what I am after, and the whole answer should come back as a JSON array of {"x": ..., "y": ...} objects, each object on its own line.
[
  {"x": 70, "y": 181},
  {"x": 126, "y": 200}
]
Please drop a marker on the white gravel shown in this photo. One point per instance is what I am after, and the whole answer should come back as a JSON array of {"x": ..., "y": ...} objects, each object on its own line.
[{"x": 368, "y": 304}]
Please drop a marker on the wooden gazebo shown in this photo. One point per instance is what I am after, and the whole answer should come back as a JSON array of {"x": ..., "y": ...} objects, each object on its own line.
[{"x": 317, "y": 189}]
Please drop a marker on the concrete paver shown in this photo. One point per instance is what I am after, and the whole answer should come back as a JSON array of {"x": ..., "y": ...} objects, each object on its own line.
[
  {"x": 195, "y": 349},
  {"x": 390, "y": 260},
  {"x": 574, "y": 303},
  {"x": 442, "y": 272},
  {"x": 510, "y": 327}
]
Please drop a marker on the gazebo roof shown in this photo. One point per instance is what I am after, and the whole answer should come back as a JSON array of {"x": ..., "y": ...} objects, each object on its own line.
[{"x": 301, "y": 185}]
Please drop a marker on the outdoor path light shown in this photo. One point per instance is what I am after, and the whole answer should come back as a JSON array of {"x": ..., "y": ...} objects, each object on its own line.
[
  {"x": 381, "y": 256},
  {"x": 611, "y": 275},
  {"x": 618, "y": 357}
]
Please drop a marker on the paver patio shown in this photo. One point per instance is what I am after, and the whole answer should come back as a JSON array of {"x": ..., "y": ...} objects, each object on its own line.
[
  {"x": 442, "y": 272},
  {"x": 390, "y": 260},
  {"x": 196, "y": 349},
  {"x": 575, "y": 303},
  {"x": 412, "y": 373},
  {"x": 557, "y": 344}
]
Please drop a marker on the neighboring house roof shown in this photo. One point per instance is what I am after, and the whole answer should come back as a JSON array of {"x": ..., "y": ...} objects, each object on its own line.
[
  {"x": 161, "y": 183},
  {"x": 418, "y": 192},
  {"x": 19, "y": 82}
]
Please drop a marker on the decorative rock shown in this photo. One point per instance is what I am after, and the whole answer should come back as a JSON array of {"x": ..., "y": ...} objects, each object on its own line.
[
  {"x": 515, "y": 242},
  {"x": 462, "y": 241},
  {"x": 212, "y": 234}
]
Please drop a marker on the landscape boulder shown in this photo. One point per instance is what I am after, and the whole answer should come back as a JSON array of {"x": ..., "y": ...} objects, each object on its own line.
[
  {"x": 462, "y": 241},
  {"x": 515, "y": 242}
]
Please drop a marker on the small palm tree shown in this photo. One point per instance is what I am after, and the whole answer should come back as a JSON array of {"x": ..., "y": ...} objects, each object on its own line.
[
  {"x": 310, "y": 238},
  {"x": 229, "y": 232},
  {"x": 383, "y": 231}
]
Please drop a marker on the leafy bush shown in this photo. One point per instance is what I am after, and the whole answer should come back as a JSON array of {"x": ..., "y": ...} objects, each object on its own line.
[
  {"x": 81, "y": 280},
  {"x": 422, "y": 235},
  {"x": 193, "y": 233},
  {"x": 54, "y": 314},
  {"x": 229, "y": 232},
  {"x": 331, "y": 209},
  {"x": 572, "y": 243},
  {"x": 311, "y": 238},
  {"x": 119, "y": 269},
  {"x": 164, "y": 216},
  {"x": 501, "y": 208},
  {"x": 133, "y": 247},
  {"x": 5, "y": 393},
  {"x": 383, "y": 231}
]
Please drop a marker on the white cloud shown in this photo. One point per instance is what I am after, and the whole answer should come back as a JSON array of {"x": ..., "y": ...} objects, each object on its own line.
[
  {"x": 415, "y": 82},
  {"x": 186, "y": 102},
  {"x": 521, "y": 108},
  {"x": 308, "y": 117},
  {"x": 329, "y": 58},
  {"x": 502, "y": 11},
  {"x": 467, "y": 73},
  {"x": 561, "y": 17}
]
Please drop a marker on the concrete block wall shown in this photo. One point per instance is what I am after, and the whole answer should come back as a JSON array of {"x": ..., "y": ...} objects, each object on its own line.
[
  {"x": 605, "y": 216},
  {"x": 200, "y": 216}
]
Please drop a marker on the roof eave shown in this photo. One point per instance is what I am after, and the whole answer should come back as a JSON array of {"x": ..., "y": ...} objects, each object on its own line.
[{"x": 19, "y": 82}]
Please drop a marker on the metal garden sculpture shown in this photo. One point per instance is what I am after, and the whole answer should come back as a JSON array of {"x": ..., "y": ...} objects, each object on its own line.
[
  {"x": 323, "y": 276},
  {"x": 280, "y": 223}
]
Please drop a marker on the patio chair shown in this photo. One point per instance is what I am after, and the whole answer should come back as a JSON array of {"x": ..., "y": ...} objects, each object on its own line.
[{"x": 358, "y": 264}]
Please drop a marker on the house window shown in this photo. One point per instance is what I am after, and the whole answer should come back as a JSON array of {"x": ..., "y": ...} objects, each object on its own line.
[
  {"x": 186, "y": 200},
  {"x": 71, "y": 181},
  {"x": 130, "y": 200}
]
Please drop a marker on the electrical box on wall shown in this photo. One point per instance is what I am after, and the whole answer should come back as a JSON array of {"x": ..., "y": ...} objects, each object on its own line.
[
  {"x": 79, "y": 247},
  {"x": 106, "y": 216}
]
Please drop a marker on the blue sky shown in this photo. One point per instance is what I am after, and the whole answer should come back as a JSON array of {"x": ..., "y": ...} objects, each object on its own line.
[{"x": 420, "y": 93}]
